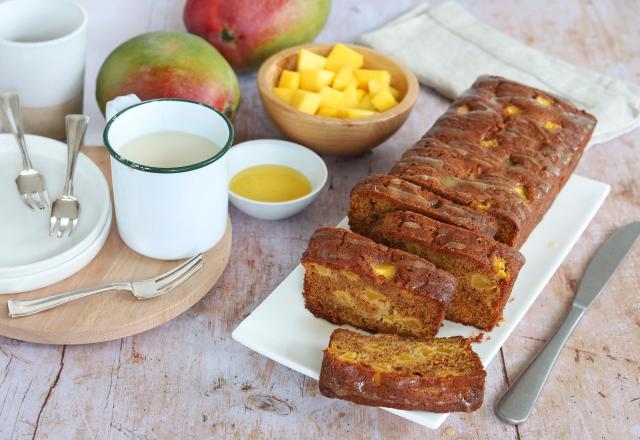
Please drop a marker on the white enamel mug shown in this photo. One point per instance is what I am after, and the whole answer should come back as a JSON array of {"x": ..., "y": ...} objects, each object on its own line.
[
  {"x": 168, "y": 213},
  {"x": 42, "y": 57}
]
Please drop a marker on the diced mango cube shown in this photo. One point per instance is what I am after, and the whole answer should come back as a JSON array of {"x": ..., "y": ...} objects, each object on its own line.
[
  {"x": 330, "y": 97},
  {"x": 343, "y": 78},
  {"x": 350, "y": 96},
  {"x": 309, "y": 60},
  {"x": 395, "y": 93},
  {"x": 307, "y": 102},
  {"x": 315, "y": 79},
  {"x": 376, "y": 86},
  {"x": 289, "y": 79},
  {"x": 383, "y": 100},
  {"x": 328, "y": 111},
  {"x": 365, "y": 103},
  {"x": 364, "y": 75},
  {"x": 342, "y": 55},
  {"x": 360, "y": 94},
  {"x": 285, "y": 95}
]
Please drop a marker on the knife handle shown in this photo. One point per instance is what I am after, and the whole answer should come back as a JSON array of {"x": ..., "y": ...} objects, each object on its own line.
[{"x": 518, "y": 401}]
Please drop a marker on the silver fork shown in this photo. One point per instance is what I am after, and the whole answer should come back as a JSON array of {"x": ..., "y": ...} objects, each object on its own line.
[
  {"x": 145, "y": 289},
  {"x": 65, "y": 210},
  {"x": 30, "y": 183}
]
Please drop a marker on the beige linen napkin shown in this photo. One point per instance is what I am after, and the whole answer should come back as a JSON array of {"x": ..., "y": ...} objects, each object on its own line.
[{"x": 447, "y": 48}]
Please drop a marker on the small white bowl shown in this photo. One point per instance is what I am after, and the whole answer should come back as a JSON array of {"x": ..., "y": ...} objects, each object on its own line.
[{"x": 276, "y": 152}]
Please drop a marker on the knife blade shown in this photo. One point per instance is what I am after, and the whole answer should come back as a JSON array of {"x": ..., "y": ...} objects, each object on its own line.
[
  {"x": 604, "y": 264},
  {"x": 518, "y": 401}
]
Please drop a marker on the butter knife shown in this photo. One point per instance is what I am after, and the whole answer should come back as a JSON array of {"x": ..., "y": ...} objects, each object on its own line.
[{"x": 518, "y": 401}]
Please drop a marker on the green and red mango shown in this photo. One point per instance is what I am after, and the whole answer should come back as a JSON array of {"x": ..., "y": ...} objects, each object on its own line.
[
  {"x": 247, "y": 32},
  {"x": 169, "y": 65}
]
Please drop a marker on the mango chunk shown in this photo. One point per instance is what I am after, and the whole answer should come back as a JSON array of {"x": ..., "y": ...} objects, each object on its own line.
[
  {"x": 284, "y": 94},
  {"x": 342, "y": 55},
  {"x": 354, "y": 113},
  {"x": 330, "y": 97},
  {"x": 383, "y": 100},
  {"x": 397, "y": 95},
  {"x": 343, "y": 78},
  {"x": 307, "y": 102},
  {"x": 376, "y": 86},
  {"x": 364, "y": 75},
  {"x": 350, "y": 96},
  {"x": 289, "y": 79},
  {"x": 360, "y": 94},
  {"x": 314, "y": 80},
  {"x": 329, "y": 111},
  {"x": 365, "y": 103},
  {"x": 309, "y": 60}
]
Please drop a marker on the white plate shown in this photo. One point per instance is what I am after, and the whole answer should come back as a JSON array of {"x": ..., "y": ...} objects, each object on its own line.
[
  {"x": 283, "y": 330},
  {"x": 26, "y": 249}
]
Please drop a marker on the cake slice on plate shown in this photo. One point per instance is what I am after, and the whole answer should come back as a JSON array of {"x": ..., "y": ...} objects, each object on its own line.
[{"x": 438, "y": 375}]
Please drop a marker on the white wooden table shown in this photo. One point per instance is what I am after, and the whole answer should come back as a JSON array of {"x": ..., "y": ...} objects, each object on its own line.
[{"x": 189, "y": 379}]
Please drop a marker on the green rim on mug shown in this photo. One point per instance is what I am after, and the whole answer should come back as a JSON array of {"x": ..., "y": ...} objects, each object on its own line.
[{"x": 182, "y": 169}]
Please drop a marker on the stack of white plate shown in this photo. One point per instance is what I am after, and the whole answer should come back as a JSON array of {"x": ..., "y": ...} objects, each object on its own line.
[{"x": 29, "y": 258}]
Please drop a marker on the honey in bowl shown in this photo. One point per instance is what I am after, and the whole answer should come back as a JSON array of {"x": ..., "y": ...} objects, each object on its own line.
[{"x": 270, "y": 183}]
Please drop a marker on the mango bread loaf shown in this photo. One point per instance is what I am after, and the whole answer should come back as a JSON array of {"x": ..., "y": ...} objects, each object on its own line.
[
  {"x": 484, "y": 268},
  {"x": 350, "y": 279},
  {"x": 378, "y": 194},
  {"x": 439, "y": 375},
  {"x": 532, "y": 141}
]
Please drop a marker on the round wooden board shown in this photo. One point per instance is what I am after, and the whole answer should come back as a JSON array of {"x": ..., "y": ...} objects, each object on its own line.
[{"x": 112, "y": 315}]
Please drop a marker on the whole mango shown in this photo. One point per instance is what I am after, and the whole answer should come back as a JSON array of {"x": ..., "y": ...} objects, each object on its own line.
[
  {"x": 169, "y": 65},
  {"x": 247, "y": 32}
]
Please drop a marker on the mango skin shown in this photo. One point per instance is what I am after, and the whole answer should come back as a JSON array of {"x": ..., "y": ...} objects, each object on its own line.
[
  {"x": 169, "y": 65},
  {"x": 247, "y": 32}
]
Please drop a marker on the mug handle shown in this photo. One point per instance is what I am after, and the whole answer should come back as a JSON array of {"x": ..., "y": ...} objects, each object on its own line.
[{"x": 120, "y": 103}]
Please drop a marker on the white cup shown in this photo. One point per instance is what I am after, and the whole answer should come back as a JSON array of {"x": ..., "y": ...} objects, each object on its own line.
[
  {"x": 168, "y": 213},
  {"x": 42, "y": 57}
]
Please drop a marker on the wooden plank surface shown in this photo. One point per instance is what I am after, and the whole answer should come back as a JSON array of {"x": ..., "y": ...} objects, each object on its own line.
[{"x": 189, "y": 379}]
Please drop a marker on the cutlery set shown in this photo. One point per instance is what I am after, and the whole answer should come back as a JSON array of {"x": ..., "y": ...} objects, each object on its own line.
[{"x": 31, "y": 184}]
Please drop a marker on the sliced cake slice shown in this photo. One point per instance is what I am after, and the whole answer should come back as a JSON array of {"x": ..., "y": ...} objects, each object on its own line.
[
  {"x": 438, "y": 375},
  {"x": 349, "y": 279},
  {"x": 378, "y": 194},
  {"x": 485, "y": 269}
]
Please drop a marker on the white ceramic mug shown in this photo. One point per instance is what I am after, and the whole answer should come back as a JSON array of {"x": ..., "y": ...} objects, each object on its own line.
[
  {"x": 42, "y": 54},
  {"x": 168, "y": 213}
]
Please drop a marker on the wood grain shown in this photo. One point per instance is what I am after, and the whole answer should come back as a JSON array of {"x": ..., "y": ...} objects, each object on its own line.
[
  {"x": 112, "y": 315},
  {"x": 337, "y": 136},
  {"x": 188, "y": 379}
]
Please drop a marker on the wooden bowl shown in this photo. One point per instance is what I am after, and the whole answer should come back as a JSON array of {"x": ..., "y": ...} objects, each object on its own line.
[{"x": 337, "y": 136}]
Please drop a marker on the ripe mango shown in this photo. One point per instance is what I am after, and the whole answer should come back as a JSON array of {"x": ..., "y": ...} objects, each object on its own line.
[
  {"x": 342, "y": 55},
  {"x": 350, "y": 96},
  {"x": 314, "y": 80},
  {"x": 343, "y": 78},
  {"x": 289, "y": 79},
  {"x": 328, "y": 111},
  {"x": 309, "y": 60},
  {"x": 364, "y": 75},
  {"x": 307, "y": 102},
  {"x": 330, "y": 97},
  {"x": 383, "y": 100},
  {"x": 284, "y": 94}
]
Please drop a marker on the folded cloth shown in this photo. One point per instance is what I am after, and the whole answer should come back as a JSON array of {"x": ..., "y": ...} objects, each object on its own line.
[{"x": 447, "y": 48}]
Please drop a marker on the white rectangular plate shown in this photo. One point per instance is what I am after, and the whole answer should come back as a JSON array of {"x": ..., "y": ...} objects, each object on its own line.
[{"x": 283, "y": 330}]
